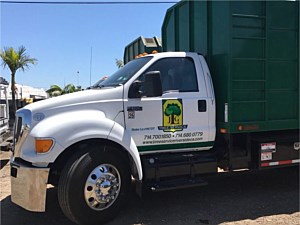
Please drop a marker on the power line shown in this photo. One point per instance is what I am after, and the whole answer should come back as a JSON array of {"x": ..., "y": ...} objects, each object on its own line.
[{"x": 87, "y": 3}]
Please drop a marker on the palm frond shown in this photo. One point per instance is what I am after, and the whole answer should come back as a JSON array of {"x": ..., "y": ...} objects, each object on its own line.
[
  {"x": 69, "y": 88},
  {"x": 15, "y": 60}
]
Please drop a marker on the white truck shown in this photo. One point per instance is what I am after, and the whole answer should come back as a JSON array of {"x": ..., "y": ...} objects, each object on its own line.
[
  {"x": 4, "y": 111},
  {"x": 153, "y": 121}
]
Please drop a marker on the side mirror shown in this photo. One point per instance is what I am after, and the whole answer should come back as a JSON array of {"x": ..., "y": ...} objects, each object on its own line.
[
  {"x": 151, "y": 87},
  {"x": 152, "y": 84}
]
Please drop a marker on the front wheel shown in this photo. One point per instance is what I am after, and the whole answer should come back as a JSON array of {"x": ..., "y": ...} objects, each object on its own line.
[{"x": 93, "y": 185}]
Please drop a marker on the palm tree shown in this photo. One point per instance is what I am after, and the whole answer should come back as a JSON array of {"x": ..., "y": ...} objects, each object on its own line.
[
  {"x": 15, "y": 60},
  {"x": 56, "y": 90},
  {"x": 119, "y": 63}
]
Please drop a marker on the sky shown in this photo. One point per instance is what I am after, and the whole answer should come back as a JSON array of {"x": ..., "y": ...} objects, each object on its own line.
[{"x": 64, "y": 37}]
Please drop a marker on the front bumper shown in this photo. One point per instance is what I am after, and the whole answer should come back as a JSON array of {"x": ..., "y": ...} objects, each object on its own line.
[{"x": 29, "y": 186}]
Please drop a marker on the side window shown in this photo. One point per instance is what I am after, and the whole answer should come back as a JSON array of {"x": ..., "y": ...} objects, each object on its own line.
[{"x": 177, "y": 74}]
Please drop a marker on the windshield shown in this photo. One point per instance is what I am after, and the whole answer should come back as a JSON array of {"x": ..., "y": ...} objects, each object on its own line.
[{"x": 124, "y": 74}]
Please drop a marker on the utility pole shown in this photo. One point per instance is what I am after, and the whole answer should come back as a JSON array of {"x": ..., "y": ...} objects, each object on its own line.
[
  {"x": 77, "y": 78},
  {"x": 91, "y": 59}
]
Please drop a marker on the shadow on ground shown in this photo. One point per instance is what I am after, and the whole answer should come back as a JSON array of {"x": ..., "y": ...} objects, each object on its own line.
[
  {"x": 228, "y": 197},
  {"x": 3, "y": 163}
]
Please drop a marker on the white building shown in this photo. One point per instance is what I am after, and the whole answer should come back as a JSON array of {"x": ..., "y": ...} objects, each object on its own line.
[
  {"x": 25, "y": 92},
  {"x": 4, "y": 109}
]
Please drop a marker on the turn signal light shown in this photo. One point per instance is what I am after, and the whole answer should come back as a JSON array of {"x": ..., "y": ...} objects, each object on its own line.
[{"x": 43, "y": 145}]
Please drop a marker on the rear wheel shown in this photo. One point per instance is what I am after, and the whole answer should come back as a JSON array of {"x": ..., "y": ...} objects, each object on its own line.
[{"x": 93, "y": 185}]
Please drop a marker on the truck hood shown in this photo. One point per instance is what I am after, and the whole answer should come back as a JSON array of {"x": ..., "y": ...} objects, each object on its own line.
[{"x": 94, "y": 99}]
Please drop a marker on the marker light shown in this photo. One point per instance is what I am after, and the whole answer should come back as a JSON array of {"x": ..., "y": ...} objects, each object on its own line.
[
  {"x": 223, "y": 131},
  {"x": 43, "y": 145},
  {"x": 154, "y": 52},
  {"x": 240, "y": 128},
  {"x": 248, "y": 127}
]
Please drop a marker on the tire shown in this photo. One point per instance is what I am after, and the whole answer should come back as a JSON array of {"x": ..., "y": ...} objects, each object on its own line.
[{"x": 93, "y": 186}]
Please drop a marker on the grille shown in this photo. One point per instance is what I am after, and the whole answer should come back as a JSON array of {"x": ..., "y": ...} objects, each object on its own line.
[{"x": 17, "y": 131}]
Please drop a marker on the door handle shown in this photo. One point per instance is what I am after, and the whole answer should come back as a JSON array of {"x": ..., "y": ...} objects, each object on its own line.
[{"x": 202, "y": 106}]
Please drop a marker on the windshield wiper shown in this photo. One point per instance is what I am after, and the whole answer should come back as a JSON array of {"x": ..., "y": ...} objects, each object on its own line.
[{"x": 104, "y": 86}]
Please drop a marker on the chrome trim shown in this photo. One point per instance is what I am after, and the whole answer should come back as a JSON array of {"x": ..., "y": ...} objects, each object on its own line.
[
  {"x": 18, "y": 128},
  {"x": 102, "y": 187},
  {"x": 226, "y": 113},
  {"x": 19, "y": 144},
  {"x": 29, "y": 187}
]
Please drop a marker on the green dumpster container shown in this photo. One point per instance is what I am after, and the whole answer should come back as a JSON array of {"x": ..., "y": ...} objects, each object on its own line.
[
  {"x": 141, "y": 45},
  {"x": 252, "y": 49}
]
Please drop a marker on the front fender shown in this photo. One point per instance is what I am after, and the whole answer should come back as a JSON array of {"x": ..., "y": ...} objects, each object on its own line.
[
  {"x": 66, "y": 129},
  {"x": 119, "y": 135},
  {"x": 71, "y": 127}
]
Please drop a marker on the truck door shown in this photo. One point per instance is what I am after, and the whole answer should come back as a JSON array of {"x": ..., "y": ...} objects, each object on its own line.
[{"x": 179, "y": 119}]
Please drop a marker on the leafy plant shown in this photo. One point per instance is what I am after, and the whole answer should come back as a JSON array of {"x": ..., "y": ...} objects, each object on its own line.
[
  {"x": 15, "y": 60},
  {"x": 56, "y": 90}
]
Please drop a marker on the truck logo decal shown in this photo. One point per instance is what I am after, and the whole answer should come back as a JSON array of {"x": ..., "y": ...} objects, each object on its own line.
[
  {"x": 172, "y": 116},
  {"x": 38, "y": 117}
]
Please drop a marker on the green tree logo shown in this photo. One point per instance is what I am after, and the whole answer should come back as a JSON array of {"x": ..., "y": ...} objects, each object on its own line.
[{"x": 173, "y": 111}]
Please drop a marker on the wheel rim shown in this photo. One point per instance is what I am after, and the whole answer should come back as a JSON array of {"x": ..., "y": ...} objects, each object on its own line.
[{"x": 102, "y": 187}]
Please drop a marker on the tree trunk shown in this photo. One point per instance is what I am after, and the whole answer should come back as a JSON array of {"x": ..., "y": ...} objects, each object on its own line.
[
  {"x": 13, "y": 95},
  {"x": 172, "y": 119}
]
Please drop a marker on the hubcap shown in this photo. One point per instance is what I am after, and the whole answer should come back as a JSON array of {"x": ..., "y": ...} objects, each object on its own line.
[{"x": 102, "y": 187}]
